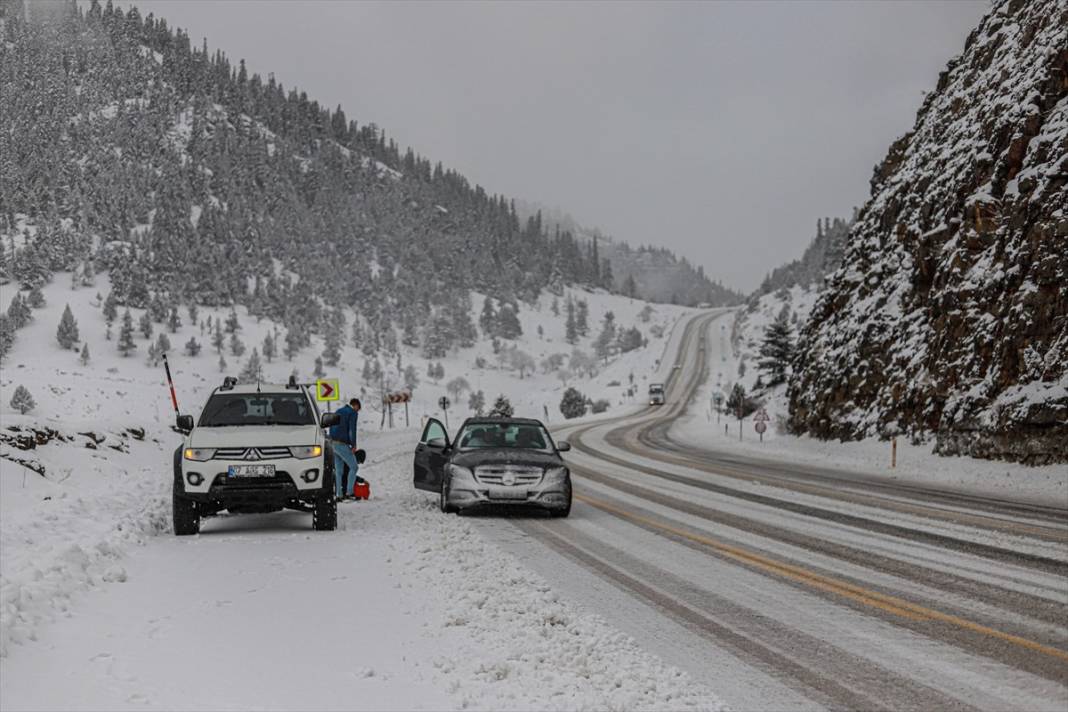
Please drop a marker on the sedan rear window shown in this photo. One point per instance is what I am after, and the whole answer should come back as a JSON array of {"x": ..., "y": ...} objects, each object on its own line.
[
  {"x": 523, "y": 436},
  {"x": 228, "y": 409}
]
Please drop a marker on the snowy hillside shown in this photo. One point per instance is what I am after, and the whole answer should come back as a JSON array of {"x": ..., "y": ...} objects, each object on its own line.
[
  {"x": 748, "y": 332},
  {"x": 950, "y": 314}
]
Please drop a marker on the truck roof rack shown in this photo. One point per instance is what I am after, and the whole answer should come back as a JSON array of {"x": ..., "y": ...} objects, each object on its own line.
[
  {"x": 228, "y": 384},
  {"x": 292, "y": 383}
]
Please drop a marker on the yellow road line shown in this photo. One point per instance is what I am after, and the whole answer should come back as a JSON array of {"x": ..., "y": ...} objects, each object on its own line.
[{"x": 881, "y": 601}]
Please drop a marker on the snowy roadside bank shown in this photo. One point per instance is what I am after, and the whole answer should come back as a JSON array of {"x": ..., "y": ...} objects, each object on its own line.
[
  {"x": 916, "y": 464},
  {"x": 424, "y": 611}
]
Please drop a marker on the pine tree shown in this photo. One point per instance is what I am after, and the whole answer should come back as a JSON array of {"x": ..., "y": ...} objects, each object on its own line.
[
  {"x": 435, "y": 340},
  {"x": 582, "y": 318},
  {"x": 111, "y": 308},
  {"x": 126, "y": 343},
  {"x": 502, "y": 408},
  {"x": 571, "y": 335},
  {"x": 36, "y": 298},
  {"x": 237, "y": 346},
  {"x": 555, "y": 308},
  {"x": 84, "y": 357},
  {"x": 192, "y": 348},
  {"x": 217, "y": 338},
  {"x": 163, "y": 344},
  {"x": 22, "y": 401},
  {"x": 157, "y": 308},
  {"x": 269, "y": 348},
  {"x": 777, "y": 350},
  {"x": 508, "y": 326},
  {"x": 7, "y": 335},
  {"x": 19, "y": 311},
  {"x": 222, "y": 363},
  {"x": 193, "y": 313},
  {"x": 174, "y": 322},
  {"x": 318, "y": 371},
  {"x": 630, "y": 286},
  {"x": 487, "y": 320},
  {"x": 573, "y": 404},
  {"x": 476, "y": 402},
  {"x": 411, "y": 378},
  {"x": 332, "y": 350},
  {"x": 145, "y": 325},
  {"x": 88, "y": 273},
  {"x": 293, "y": 343},
  {"x": 232, "y": 324},
  {"x": 606, "y": 339},
  {"x": 253, "y": 370}
]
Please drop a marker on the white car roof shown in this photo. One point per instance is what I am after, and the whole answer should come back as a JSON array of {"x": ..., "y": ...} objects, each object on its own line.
[{"x": 261, "y": 388}]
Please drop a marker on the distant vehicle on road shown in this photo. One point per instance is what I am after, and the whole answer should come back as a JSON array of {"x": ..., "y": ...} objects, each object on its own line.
[
  {"x": 256, "y": 448},
  {"x": 494, "y": 461},
  {"x": 656, "y": 394}
]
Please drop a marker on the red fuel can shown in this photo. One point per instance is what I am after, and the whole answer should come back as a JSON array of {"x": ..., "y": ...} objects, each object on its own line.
[{"x": 361, "y": 490}]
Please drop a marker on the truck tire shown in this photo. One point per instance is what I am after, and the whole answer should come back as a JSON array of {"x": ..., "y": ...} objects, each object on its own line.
[
  {"x": 324, "y": 514},
  {"x": 184, "y": 512}
]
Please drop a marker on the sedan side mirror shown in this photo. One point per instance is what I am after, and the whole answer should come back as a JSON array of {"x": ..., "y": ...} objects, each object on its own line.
[
  {"x": 437, "y": 443},
  {"x": 327, "y": 420},
  {"x": 184, "y": 423},
  {"x": 563, "y": 446}
]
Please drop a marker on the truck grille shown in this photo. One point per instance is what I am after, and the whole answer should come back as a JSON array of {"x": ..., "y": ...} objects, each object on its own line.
[
  {"x": 508, "y": 474},
  {"x": 251, "y": 453}
]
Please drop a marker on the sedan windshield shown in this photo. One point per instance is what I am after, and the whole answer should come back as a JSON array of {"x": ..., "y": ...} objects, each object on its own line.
[
  {"x": 225, "y": 409},
  {"x": 525, "y": 436}
]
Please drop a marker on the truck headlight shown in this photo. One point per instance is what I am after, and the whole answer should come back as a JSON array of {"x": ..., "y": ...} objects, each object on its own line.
[
  {"x": 199, "y": 454},
  {"x": 306, "y": 452},
  {"x": 556, "y": 474},
  {"x": 459, "y": 473}
]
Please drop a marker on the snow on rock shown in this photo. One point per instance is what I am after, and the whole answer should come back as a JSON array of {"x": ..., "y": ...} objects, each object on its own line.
[{"x": 952, "y": 290}]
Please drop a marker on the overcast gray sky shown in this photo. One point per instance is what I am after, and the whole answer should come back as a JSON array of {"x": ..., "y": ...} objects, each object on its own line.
[{"x": 720, "y": 130}]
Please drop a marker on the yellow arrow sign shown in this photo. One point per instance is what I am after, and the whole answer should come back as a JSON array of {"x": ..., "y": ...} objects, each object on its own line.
[{"x": 327, "y": 389}]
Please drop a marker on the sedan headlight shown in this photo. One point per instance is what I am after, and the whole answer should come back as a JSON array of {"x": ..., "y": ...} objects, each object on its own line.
[
  {"x": 306, "y": 452},
  {"x": 457, "y": 472},
  {"x": 199, "y": 454},
  {"x": 556, "y": 474}
]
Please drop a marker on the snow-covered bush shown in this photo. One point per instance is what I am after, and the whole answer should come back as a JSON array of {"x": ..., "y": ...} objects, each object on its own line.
[{"x": 22, "y": 401}]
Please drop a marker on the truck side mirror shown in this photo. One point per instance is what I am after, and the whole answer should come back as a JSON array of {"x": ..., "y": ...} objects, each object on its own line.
[
  {"x": 563, "y": 446},
  {"x": 184, "y": 423},
  {"x": 329, "y": 419}
]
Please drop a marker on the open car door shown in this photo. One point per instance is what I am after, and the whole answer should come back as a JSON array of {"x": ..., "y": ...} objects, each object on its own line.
[{"x": 430, "y": 456}]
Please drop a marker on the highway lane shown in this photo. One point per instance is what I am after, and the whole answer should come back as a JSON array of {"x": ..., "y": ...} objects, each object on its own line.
[{"x": 789, "y": 586}]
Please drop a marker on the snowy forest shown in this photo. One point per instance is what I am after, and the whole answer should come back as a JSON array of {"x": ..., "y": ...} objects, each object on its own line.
[{"x": 192, "y": 180}]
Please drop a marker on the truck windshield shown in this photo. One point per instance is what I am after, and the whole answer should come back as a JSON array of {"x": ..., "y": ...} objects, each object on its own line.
[
  {"x": 656, "y": 389},
  {"x": 228, "y": 409}
]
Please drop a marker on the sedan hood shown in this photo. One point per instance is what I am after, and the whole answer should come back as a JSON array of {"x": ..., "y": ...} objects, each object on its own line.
[
  {"x": 505, "y": 456},
  {"x": 255, "y": 436}
]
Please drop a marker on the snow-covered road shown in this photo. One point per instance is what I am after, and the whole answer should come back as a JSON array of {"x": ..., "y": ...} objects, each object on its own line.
[{"x": 797, "y": 587}]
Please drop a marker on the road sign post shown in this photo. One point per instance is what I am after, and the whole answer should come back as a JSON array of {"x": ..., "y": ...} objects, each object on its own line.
[
  {"x": 444, "y": 403},
  {"x": 760, "y": 422}
]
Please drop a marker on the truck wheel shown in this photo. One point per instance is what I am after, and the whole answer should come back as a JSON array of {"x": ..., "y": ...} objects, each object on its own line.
[
  {"x": 184, "y": 513},
  {"x": 324, "y": 515}
]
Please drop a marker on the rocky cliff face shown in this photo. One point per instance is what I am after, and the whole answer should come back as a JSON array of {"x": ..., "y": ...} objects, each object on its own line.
[{"x": 950, "y": 312}]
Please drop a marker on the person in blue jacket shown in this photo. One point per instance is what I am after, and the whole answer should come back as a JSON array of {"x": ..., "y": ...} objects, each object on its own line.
[{"x": 343, "y": 436}]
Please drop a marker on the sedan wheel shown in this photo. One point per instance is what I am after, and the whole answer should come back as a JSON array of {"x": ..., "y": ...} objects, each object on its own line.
[{"x": 443, "y": 500}]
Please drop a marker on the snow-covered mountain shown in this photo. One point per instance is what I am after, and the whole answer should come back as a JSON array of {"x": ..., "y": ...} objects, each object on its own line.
[{"x": 949, "y": 314}]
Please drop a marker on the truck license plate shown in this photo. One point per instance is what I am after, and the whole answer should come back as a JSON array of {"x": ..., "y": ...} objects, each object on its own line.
[{"x": 250, "y": 471}]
